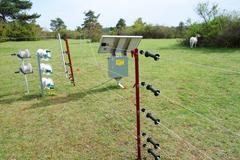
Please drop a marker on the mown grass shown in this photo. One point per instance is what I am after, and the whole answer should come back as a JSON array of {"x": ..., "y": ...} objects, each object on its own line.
[{"x": 198, "y": 106}]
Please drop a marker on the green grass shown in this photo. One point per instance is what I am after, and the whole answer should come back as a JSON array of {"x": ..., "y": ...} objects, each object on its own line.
[{"x": 199, "y": 105}]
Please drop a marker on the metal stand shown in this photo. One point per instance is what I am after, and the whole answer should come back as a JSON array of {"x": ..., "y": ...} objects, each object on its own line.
[
  {"x": 23, "y": 55},
  {"x": 40, "y": 74},
  {"x": 135, "y": 55},
  {"x": 25, "y": 79},
  {"x": 62, "y": 55},
  {"x": 26, "y": 83}
]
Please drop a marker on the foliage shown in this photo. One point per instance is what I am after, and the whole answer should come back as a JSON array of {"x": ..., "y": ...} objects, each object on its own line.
[
  {"x": 19, "y": 31},
  {"x": 120, "y": 26},
  {"x": 217, "y": 29},
  {"x": 58, "y": 25},
  {"x": 15, "y": 23},
  {"x": 138, "y": 26},
  {"x": 91, "y": 28},
  {"x": 16, "y": 10},
  {"x": 180, "y": 30},
  {"x": 207, "y": 12},
  {"x": 142, "y": 28}
]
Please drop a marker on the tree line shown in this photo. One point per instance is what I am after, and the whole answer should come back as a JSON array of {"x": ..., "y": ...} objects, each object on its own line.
[
  {"x": 217, "y": 29},
  {"x": 16, "y": 23}
]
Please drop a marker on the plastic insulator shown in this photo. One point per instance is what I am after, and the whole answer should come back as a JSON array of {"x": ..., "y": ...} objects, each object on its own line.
[
  {"x": 156, "y": 57},
  {"x": 156, "y": 121},
  {"x": 155, "y": 144},
  {"x": 144, "y": 134},
  {"x": 156, "y": 92},
  {"x": 151, "y": 151},
  {"x": 144, "y": 145},
  {"x": 143, "y": 84}
]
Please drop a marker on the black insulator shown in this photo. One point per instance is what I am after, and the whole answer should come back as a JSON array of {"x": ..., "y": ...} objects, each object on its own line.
[
  {"x": 151, "y": 151},
  {"x": 144, "y": 134},
  {"x": 141, "y": 52},
  {"x": 14, "y": 54},
  {"x": 144, "y": 145},
  {"x": 156, "y": 57},
  {"x": 150, "y": 140},
  {"x": 17, "y": 72},
  {"x": 143, "y": 109},
  {"x": 156, "y": 121},
  {"x": 153, "y": 90},
  {"x": 143, "y": 84}
]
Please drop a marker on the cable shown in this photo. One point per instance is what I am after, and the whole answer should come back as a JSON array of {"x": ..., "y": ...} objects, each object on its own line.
[{"x": 200, "y": 115}]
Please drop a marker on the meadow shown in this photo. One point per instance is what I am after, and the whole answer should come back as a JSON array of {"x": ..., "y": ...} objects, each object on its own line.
[{"x": 199, "y": 105}]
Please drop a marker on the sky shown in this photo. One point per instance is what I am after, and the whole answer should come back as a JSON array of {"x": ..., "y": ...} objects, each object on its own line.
[{"x": 162, "y": 12}]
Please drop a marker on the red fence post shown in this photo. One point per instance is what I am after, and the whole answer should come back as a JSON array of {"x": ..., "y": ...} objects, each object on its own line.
[
  {"x": 69, "y": 60},
  {"x": 137, "y": 85}
]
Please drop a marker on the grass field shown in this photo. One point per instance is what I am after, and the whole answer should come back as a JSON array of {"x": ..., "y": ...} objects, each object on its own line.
[{"x": 199, "y": 106}]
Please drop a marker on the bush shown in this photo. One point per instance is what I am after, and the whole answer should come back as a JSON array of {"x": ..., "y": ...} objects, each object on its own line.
[
  {"x": 3, "y": 31},
  {"x": 19, "y": 31},
  {"x": 221, "y": 31}
]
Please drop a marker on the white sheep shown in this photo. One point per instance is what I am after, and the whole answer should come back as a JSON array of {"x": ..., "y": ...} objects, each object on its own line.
[{"x": 193, "y": 41}]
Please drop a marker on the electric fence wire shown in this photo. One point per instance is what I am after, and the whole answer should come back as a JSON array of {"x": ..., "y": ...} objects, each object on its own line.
[
  {"x": 175, "y": 133},
  {"x": 211, "y": 120},
  {"x": 205, "y": 117},
  {"x": 99, "y": 65},
  {"x": 220, "y": 127},
  {"x": 176, "y": 60},
  {"x": 168, "y": 97},
  {"x": 127, "y": 111},
  {"x": 112, "y": 109}
]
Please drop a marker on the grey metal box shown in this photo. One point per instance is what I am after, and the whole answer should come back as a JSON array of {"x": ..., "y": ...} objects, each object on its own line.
[{"x": 118, "y": 66}]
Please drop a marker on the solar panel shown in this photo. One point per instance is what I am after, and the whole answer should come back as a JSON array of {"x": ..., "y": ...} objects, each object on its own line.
[{"x": 118, "y": 44}]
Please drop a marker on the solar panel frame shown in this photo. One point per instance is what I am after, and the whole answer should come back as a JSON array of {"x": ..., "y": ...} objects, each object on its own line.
[{"x": 118, "y": 44}]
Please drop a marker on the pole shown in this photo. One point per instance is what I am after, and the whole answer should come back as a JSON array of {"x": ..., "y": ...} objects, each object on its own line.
[
  {"x": 25, "y": 78},
  {"x": 63, "y": 60},
  {"x": 69, "y": 60},
  {"x": 40, "y": 74},
  {"x": 135, "y": 54},
  {"x": 26, "y": 83}
]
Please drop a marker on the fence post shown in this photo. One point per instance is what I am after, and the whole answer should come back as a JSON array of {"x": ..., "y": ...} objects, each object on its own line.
[
  {"x": 135, "y": 54},
  {"x": 69, "y": 60}
]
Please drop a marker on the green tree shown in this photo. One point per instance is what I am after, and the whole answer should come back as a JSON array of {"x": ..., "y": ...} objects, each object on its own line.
[
  {"x": 16, "y": 10},
  {"x": 207, "y": 12},
  {"x": 139, "y": 26},
  {"x": 120, "y": 26},
  {"x": 180, "y": 30},
  {"x": 58, "y": 25},
  {"x": 91, "y": 27},
  {"x": 218, "y": 29}
]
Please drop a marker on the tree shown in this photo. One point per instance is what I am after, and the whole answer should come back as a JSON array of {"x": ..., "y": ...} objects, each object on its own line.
[
  {"x": 207, "y": 12},
  {"x": 139, "y": 26},
  {"x": 218, "y": 29},
  {"x": 180, "y": 29},
  {"x": 16, "y": 10},
  {"x": 78, "y": 29},
  {"x": 91, "y": 27},
  {"x": 58, "y": 25},
  {"x": 120, "y": 26}
]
